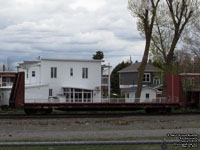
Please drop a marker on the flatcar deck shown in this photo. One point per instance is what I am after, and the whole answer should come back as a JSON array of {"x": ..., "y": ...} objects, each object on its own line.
[{"x": 100, "y": 106}]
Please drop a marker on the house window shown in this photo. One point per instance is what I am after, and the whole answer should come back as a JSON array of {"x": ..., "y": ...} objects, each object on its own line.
[
  {"x": 147, "y": 95},
  {"x": 7, "y": 80},
  {"x": 147, "y": 77},
  {"x": 78, "y": 95},
  {"x": 27, "y": 73},
  {"x": 85, "y": 73},
  {"x": 53, "y": 72},
  {"x": 33, "y": 73},
  {"x": 191, "y": 81},
  {"x": 156, "y": 81},
  {"x": 71, "y": 72},
  {"x": 50, "y": 92}
]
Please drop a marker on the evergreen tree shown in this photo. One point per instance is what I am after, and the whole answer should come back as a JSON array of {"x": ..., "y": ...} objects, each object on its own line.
[{"x": 115, "y": 77}]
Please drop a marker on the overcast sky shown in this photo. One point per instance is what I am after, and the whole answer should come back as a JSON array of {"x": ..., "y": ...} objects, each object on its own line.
[{"x": 68, "y": 29}]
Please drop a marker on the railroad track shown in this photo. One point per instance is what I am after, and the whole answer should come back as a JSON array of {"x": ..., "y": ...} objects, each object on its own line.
[{"x": 85, "y": 115}]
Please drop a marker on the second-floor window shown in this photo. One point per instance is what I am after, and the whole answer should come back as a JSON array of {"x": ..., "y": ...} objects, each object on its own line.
[
  {"x": 33, "y": 73},
  {"x": 84, "y": 72},
  {"x": 156, "y": 80},
  {"x": 53, "y": 72},
  {"x": 71, "y": 72},
  {"x": 50, "y": 92},
  {"x": 147, "y": 77},
  {"x": 27, "y": 73}
]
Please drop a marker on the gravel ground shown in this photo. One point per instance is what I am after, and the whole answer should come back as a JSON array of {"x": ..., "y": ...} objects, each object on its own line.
[{"x": 97, "y": 128}]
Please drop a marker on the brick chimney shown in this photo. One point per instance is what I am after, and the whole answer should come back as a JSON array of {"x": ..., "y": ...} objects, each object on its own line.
[{"x": 4, "y": 68}]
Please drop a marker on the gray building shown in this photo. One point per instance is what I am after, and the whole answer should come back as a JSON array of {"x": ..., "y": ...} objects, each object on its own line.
[{"x": 128, "y": 78}]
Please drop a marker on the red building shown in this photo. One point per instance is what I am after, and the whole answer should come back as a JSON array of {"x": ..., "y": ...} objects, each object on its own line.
[
  {"x": 7, "y": 78},
  {"x": 186, "y": 87}
]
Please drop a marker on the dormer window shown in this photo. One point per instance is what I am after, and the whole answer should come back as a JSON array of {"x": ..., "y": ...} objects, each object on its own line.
[{"x": 147, "y": 77}]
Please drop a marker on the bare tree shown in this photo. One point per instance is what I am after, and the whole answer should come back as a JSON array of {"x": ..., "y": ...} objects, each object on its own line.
[
  {"x": 172, "y": 21},
  {"x": 187, "y": 61},
  {"x": 145, "y": 12},
  {"x": 9, "y": 65},
  {"x": 192, "y": 40}
]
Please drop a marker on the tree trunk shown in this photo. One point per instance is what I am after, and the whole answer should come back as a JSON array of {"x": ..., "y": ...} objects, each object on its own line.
[
  {"x": 141, "y": 70},
  {"x": 167, "y": 70}
]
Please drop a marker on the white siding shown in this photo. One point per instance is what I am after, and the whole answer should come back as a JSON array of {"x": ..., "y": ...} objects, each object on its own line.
[
  {"x": 130, "y": 97},
  {"x": 63, "y": 78},
  {"x": 30, "y": 79},
  {"x": 36, "y": 94},
  {"x": 76, "y": 81},
  {"x": 4, "y": 97},
  {"x": 150, "y": 91}
]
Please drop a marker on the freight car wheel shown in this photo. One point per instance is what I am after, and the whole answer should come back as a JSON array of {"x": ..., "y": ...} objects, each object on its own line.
[{"x": 30, "y": 111}]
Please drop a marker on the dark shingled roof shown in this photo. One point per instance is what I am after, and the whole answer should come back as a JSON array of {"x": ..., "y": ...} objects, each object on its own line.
[{"x": 134, "y": 67}]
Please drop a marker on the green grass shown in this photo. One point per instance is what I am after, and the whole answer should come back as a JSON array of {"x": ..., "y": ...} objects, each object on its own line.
[
  {"x": 11, "y": 111},
  {"x": 112, "y": 147},
  {"x": 187, "y": 110}
]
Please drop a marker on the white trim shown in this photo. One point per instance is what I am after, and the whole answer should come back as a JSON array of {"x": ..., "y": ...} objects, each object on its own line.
[
  {"x": 193, "y": 74},
  {"x": 76, "y": 60},
  {"x": 84, "y": 88},
  {"x": 35, "y": 85},
  {"x": 125, "y": 86},
  {"x": 137, "y": 71},
  {"x": 6, "y": 87},
  {"x": 149, "y": 77}
]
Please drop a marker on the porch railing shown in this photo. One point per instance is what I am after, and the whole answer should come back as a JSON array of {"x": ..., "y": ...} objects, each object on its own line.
[
  {"x": 102, "y": 100},
  {"x": 6, "y": 84}
]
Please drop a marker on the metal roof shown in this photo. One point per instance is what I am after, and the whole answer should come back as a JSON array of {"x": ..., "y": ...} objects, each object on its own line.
[
  {"x": 28, "y": 63},
  {"x": 133, "y": 89},
  {"x": 135, "y": 66},
  {"x": 77, "y": 60}
]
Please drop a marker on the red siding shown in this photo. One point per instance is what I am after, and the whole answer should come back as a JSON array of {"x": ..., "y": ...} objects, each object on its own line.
[{"x": 175, "y": 89}]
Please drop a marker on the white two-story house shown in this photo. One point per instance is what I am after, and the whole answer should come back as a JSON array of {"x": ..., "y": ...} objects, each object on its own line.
[{"x": 62, "y": 80}]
